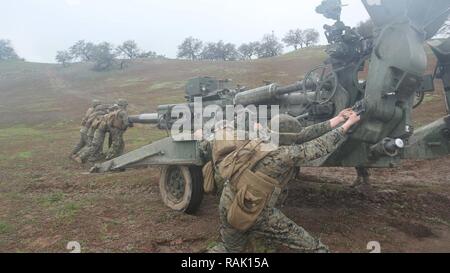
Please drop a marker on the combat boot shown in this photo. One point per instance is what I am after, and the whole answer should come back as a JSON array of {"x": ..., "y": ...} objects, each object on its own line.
[
  {"x": 78, "y": 160},
  {"x": 322, "y": 248},
  {"x": 363, "y": 179}
]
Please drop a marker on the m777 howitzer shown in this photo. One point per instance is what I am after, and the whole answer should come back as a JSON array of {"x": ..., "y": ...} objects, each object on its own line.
[
  {"x": 221, "y": 93},
  {"x": 396, "y": 60}
]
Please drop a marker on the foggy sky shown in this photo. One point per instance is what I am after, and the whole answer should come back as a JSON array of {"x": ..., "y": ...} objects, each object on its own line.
[{"x": 39, "y": 28}]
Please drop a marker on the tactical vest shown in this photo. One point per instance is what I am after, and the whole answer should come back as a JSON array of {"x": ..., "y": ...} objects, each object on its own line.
[
  {"x": 87, "y": 116},
  {"x": 96, "y": 122},
  {"x": 91, "y": 119},
  {"x": 254, "y": 191},
  {"x": 95, "y": 119},
  {"x": 220, "y": 149},
  {"x": 113, "y": 120}
]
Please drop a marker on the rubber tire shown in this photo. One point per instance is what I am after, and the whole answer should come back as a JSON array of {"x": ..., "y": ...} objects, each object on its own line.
[
  {"x": 193, "y": 189},
  {"x": 197, "y": 190}
]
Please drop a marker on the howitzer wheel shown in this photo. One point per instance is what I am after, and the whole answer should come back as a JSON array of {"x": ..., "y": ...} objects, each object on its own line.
[{"x": 181, "y": 188}]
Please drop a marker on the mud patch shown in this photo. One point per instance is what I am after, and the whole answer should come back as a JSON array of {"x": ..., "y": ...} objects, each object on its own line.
[{"x": 415, "y": 230}]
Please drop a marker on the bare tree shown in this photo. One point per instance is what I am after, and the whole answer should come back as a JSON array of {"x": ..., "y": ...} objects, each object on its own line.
[
  {"x": 103, "y": 56},
  {"x": 230, "y": 52},
  {"x": 295, "y": 38},
  {"x": 245, "y": 51},
  {"x": 82, "y": 51},
  {"x": 269, "y": 46},
  {"x": 7, "y": 51},
  {"x": 190, "y": 48},
  {"x": 226, "y": 51},
  {"x": 219, "y": 51},
  {"x": 249, "y": 50},
  {"x": 209, "y": 52},
  {"x": 64, "y": 57},
  {"x": 311, "y": 37},
  {"x": 129, "y": 49}
]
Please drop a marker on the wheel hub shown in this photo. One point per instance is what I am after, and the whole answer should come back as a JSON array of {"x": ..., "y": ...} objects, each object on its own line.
[{"x": 176, "y": 184}]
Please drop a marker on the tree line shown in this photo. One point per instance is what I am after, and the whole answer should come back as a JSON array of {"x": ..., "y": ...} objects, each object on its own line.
[
  {"x": 104, "y": 55},
  {"x": 269, "y": 46}
]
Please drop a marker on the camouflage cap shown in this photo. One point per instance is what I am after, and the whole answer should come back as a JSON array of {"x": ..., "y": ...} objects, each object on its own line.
[
  {"x": 122, "y": 102},
  {"x": 95, "y": 103},
  {"x": 288, "y": 128},
  {"x": 113, "y": 107},
  {"x": 101, "y": 107}
]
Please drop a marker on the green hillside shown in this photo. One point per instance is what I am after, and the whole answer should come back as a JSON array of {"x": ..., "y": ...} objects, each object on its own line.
[{"x": 34, "y": 93}]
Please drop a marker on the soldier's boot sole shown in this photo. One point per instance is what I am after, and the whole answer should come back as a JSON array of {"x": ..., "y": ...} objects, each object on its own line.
[{"x": 78, "y": 160}]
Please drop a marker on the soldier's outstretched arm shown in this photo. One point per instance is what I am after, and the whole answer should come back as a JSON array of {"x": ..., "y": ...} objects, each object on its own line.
[
  {"x": 316, "y": 148},
  {"x": 313, "y": 132},
  {"x": 318, "y": 130},
  {"x": 323, "y": 145}
]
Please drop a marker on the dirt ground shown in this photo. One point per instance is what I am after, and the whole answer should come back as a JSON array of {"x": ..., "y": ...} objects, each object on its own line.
[{"x": 46, "y": 200}]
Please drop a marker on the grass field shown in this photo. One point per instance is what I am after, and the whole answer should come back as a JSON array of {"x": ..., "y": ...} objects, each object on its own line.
[{"x": 46, "y": 200}]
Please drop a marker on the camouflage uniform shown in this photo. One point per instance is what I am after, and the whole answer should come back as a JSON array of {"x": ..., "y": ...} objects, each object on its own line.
[
  {"x": 92, "y": 123},
  {"x": 272, "y": 223},
  {"x": 313, "y": 132},
  {"x": 301, "y": 136},
  {"x": 84, "y": 128},
  {"x": 117, "y": 126},
  {"x": 90, "y": 134},
  {"x": 363, "y": 178},
  {"x": 92, "y": 152},
  {"x": 100, "y": 111}
]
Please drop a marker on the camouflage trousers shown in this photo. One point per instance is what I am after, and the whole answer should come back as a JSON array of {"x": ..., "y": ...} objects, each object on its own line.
[
  {"x": 82, "y": 143},
  {"x": 95, "y": 148},
  {"x": 117, "y": 144},
  {"x": 272, "y": 225},
  {"x": 90, "y": 136}
]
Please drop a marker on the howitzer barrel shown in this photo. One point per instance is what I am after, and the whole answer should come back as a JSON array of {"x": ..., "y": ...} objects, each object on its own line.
[
  {"x": 257, "y": 95},
  {"x": 144, "y": 119},
  {"x": 290, "y": 88},
  {"x": 265, "y": 93}
]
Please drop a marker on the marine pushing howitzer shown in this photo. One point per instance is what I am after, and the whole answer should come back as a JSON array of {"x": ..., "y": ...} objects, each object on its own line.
[{"x": 396, "y": 62}]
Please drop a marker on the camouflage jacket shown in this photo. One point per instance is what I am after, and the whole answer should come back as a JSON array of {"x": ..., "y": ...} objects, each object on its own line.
[
  {"x": 118, "y": 120},
  {"x": 95, "y": 120},
  {"x": 218, "y": 149},
  {"x": 280, "y": 163},
  {"x": 86, "y": 116},
  {"x": 313, "y": 132}
]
